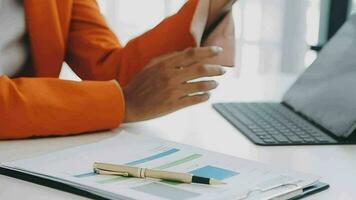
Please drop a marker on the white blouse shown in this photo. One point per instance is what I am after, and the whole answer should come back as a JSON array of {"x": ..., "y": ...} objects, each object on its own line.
[{"x": 13, "y": 50}]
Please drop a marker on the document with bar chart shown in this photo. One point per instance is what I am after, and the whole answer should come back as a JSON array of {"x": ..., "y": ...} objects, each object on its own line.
[{"x": 245, "y": 179}]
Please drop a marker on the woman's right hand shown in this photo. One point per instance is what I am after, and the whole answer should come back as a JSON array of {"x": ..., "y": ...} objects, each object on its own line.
[{"x": 162, "y": 87}]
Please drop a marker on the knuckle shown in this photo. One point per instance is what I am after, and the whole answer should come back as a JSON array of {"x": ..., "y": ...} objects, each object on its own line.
[
  {"x": 216, "y": 70},
  {"x": 154, "y": 61},
  {"x": 203, "y": 98},
  {"x": 190, "y": 52},
  {"x": 157, "y": 63},
  {"x": 203, "y": 69},
  {"x": 207, "y": 86}
]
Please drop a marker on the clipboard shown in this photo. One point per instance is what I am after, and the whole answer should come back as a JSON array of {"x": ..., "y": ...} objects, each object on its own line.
[
  {"x": 309, "y": 191},
  {"x": 263, "y": 182}
]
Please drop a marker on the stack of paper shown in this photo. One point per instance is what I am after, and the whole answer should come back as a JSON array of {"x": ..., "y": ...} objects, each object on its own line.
[{"x": 245, "y": 179}]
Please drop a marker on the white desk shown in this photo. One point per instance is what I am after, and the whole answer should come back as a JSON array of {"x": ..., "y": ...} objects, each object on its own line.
[{"x": 203, "y": 127}]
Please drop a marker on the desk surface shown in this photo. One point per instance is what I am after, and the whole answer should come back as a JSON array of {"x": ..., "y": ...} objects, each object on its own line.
[{"x": 201, "y": 126}]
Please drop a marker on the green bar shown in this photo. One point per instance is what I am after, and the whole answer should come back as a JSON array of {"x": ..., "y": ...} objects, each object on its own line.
[{"x": 178, "y": 162}]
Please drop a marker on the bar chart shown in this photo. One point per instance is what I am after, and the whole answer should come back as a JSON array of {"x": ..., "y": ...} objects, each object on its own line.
[{"x": 166, "y": 189}]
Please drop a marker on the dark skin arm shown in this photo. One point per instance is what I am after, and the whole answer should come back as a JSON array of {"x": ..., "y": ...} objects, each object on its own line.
[{"x": 218, "y": 9}]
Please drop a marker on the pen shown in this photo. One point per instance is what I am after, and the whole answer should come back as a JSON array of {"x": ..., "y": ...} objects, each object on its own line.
[{"x": 129, "y": 171}]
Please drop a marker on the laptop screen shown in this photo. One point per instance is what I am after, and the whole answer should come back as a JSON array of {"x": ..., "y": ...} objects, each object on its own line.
[{"x": 326, "y": 91}]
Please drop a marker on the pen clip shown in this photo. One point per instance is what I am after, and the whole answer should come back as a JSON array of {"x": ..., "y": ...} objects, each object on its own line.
[{"x": 106, "y": 172}]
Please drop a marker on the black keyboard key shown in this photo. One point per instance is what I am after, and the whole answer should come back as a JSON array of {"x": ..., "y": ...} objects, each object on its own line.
[
  {"x": 265, "y": 137},
  {"x": 324, "y": 140},
  {"x": 281, "y": 139},
  {"x": 295, "y": 139},
  {"x": 253, "y": 126},
  {"x": 261, "y": 133},
  {"x": 289, "y": 134},
  {"x": 242, "y": 118},
  {"x": 274, "y": 132},
  {"x": 310, "y": 140},
  {"x": 269, "y": 141},
  {"x": 305, "y": 137}
]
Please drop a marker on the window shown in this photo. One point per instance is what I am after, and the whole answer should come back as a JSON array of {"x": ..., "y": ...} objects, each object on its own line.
[
  {"x": 263, "y": 41},
  {"x": 263, "y": 35},
  {"x": 353, "y": 7},
  {"x": 249, "y": 25},
  {"x": 131, "y": 18},
  {"x": 272, "y": 36},
  {"x": 326, "y": 22},
  {"x": 313, "y": 25}
]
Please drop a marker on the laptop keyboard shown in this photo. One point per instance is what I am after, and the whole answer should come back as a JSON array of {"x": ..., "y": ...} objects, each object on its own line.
[{"x": 272, "y": 124}]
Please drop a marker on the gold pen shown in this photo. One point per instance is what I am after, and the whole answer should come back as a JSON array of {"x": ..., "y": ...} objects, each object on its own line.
[{"x": 129, "y": 171}]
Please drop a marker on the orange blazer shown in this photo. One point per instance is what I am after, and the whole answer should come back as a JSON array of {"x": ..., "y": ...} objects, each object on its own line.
[{"x": 74, "y": 31}]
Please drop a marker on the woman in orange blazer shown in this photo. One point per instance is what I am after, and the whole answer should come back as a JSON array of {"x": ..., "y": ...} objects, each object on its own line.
[{"x": 73, "y": 31}]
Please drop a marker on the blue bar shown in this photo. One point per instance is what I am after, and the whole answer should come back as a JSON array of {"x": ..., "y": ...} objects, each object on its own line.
[
  {"x": 85, "y": 175},
  {"x": 153, "y": 157},
  {"x": 214, "y": 172},
  {"x": 137, "y": 162}
]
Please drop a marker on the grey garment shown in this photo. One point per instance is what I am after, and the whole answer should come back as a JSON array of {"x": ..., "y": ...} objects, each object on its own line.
[
  {"x": 326, "y": 92},
  {"x": 13, "y": 48}
]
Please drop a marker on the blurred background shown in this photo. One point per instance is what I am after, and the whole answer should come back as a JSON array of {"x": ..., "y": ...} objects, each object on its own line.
[{"x": 274, "y": 37}]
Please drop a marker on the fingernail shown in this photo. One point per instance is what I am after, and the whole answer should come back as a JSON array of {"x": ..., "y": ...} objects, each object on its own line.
[
  {"x": 217, "y": 49},
  {"x": 223, "y": 71}
]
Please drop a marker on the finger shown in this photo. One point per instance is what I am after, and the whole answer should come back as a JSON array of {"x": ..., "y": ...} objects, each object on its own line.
[
  {"x": 193, "y": 55},
  {"x": 193, "y": 100},
  {"x": 198, "y": 87},
  {"x": 162, "y": 59},
  {"x": 168, "y": 56},
  {"x": 200, "y": 71}
]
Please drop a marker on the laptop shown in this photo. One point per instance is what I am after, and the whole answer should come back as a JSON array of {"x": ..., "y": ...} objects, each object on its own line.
[{"x": 319, "y": 108}]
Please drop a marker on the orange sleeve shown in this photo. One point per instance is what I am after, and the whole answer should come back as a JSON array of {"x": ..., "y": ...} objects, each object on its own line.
[
  {"x": 43, "y": 107},
  {"x": 94, "y": 52}
]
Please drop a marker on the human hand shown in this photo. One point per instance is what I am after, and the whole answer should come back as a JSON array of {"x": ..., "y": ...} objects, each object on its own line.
[{"x": 162, "y": 87}]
